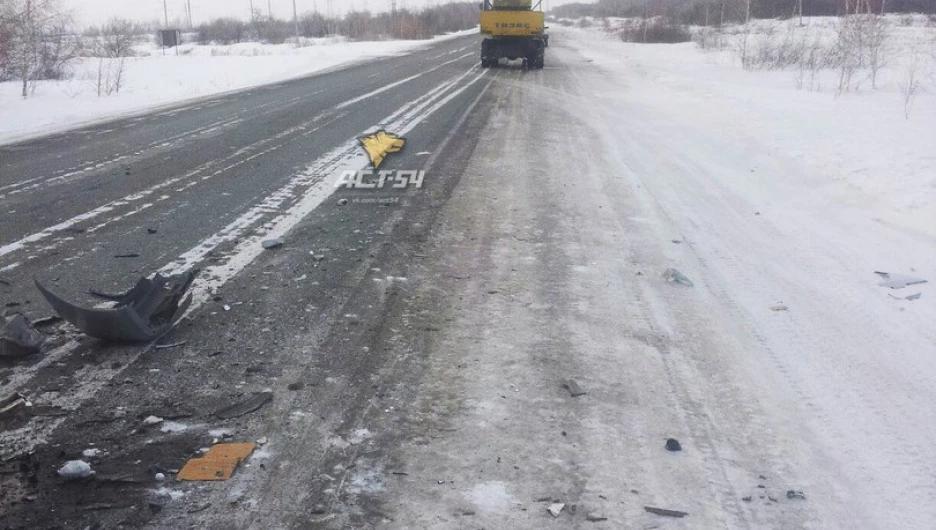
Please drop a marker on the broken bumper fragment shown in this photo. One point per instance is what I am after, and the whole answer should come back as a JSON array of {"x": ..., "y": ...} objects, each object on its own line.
[{"x": 142, "y": 314}]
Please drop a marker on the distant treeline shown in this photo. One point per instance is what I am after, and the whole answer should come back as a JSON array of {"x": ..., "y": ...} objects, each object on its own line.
[
  {"x": 714, "y": 11},
  {"x": 356, "y": 25}
]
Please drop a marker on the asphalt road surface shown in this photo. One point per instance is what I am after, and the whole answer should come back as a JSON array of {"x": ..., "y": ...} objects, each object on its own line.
[
  {"x": 418, "y": 343},
  {"x": 201, "y": 186}
]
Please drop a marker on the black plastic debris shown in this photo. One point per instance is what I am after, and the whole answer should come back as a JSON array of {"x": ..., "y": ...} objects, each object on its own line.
[
  {"x": 18, "y": 337},
  {"x": 142, "y": 314},
  {"x": 253, "y": 404},
  {"x": 574, "y": 389},
  {"x": 665, "y": 513},
  {"x": 793, "y": 494},
  {"x": 673, "y": 445}
]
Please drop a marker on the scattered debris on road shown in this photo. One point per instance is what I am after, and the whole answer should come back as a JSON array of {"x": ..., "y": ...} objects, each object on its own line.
[
  {"x": 18, "y": 337},
  {"x": 674, "y": 276},
  {"x": 595, "y": 517},
  {"x": 47, "y": 321},
  {"x": 152, "y": 420},
  {"x": 252, "y": 404},
  {"x": 555, "y": 509},
  {"x": 574, "y": 389},
  {"x": 218, "y": 463},
  {"x": 171, "y": 346},
  {"x": 142, "y": 314},
  {"x": 673, "y": 445},
  {"x": 898, "y": 281},
  {"x": 76, "y": 470},
  {"x": 779, "y": 308},
  {"x": 127, "y": 256},
  {"x": 271, "y": 244},
  {"x": 793, "y": 494},
  {"x": 11, "y": 407},
  {"x": 665, "y": 513},
  {"x": 151, "y": 231},
  {"x": 342, "y": 202}
]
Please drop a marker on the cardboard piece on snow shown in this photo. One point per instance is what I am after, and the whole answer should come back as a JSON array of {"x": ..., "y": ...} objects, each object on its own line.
[{"x": 218, "y": 463}]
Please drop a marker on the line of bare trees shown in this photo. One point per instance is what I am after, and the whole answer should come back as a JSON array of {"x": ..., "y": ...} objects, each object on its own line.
[
  {"x": 356, "y": 25},
  {"x": 720, "y": 12}
]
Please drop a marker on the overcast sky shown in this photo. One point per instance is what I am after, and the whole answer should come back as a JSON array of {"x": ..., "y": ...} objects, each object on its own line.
[{"x": 95, "y": 11}]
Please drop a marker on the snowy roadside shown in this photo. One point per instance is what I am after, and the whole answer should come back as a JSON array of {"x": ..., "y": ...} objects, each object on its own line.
[
  {"x": 792, "y": 379},
  {"x": 859, "y": 149},
  {"x": 153, "y": 80}
]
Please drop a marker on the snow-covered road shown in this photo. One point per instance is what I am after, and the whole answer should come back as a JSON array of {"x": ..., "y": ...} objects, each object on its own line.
[{"x": 784, "y": 367}]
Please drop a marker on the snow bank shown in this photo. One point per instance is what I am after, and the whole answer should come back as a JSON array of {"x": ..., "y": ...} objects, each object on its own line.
[
  {"x": 860, "y": 150},
  {"x": 154, "y": 80}
]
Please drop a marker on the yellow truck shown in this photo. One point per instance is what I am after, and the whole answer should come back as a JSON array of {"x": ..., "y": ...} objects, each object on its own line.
[{"x": 516, "y": 29}]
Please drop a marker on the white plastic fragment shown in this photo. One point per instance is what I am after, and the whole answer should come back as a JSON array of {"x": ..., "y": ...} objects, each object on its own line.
[{"x": 75, "y": 470}]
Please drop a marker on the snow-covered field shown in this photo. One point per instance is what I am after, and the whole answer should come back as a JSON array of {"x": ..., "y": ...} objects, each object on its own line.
[
  {"x": 153, "y": 80},
  {"x": 860, "y": 149}
]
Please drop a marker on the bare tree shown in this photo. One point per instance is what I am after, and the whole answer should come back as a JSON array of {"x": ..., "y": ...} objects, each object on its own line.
[
  {"x": 910, "y": 86},
  {"x": 39, "y": 45},
  {"x": 876, "y": 45},
  {"x": 117, "y": 38}
]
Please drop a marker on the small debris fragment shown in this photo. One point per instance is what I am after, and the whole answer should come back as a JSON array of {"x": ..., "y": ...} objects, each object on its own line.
[
  {"x": 127, "y": 256},
  {"x": 18, "y": 337},
  {"x": 294, "y": 387},
  {"x": 151, "y": 231},
  {"x": 595, "y": 517},
  {"x": 160, "y": 477},
  {"x": 199, "y": 508},
  {"x": 746, "y": 499},
  {"x": 253, "y": 404},
  {"x": 573, "y": 387},
  {"x": 342, "y": 202},
  {"x": 913, "y": 297},
  {"x": 898, "y": 281},
  {"x": 673, "y": 445},
  {"x": 793, "y": 494},
  {"x": 218, "y": 463},
  {"x": 171, "y": 346},
  {"x": 152, "y": 420},
  {"x": 555, "y": 509},
  {"x": 11, "y": 407},
  {"x": 674, "y": 276},
  {"x": 263, "y": 441},
  {"x": 665, "y": 513},
  {"x": 47, "y": 321},
  {"x": 779, "y": 308},
  {"x": 270, "y": 244},
  {"x": 772, "y": 499},
  {"x": 75, "y": 470}
]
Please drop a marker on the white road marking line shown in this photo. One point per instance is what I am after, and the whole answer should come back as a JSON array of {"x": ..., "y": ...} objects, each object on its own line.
[{"x": 309, "y": 189}]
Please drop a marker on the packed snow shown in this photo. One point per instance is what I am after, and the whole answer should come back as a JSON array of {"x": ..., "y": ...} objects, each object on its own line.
[{"x": 153, "y": 79}]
